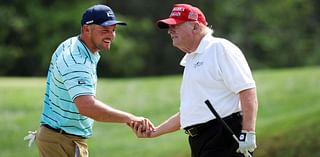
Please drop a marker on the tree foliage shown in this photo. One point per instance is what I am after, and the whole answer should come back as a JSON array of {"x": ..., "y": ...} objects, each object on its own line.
[{"x": 271, "y": 34}]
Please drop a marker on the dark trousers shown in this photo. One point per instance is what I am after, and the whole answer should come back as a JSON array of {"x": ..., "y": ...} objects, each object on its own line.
[{"x": 216, "y": 141}]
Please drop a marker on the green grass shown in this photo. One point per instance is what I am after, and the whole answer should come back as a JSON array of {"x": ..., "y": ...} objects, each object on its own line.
[{"x": 287, "y": 125}]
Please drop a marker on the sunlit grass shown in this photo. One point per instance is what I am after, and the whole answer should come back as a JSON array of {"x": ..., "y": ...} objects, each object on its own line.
[{"x": 287, "y": 120}]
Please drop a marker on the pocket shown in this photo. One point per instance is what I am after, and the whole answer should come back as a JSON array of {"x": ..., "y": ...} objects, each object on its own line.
[
  {"x": 47, "y": 149},
  {"x": 235, "y": 125},
  {"x": 81, "y": 149}
]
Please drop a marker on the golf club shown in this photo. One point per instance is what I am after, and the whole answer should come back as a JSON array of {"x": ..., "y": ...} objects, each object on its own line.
[{"x": 224, "y": 124}]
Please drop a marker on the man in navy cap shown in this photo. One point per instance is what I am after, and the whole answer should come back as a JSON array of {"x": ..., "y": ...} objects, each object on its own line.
[{"x": 70, "y": 106}]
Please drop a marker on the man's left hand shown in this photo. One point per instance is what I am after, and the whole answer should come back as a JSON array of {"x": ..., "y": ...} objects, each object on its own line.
[{"x": 247, "y": 142}]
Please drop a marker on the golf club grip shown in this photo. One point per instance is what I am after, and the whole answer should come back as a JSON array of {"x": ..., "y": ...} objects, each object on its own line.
[
  {"x": 224, "y": 124},
  {"x": 218, "y": 117}
]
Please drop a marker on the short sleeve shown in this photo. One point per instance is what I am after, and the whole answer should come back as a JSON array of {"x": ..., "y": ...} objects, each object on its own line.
[
  {"x": 79, "y": 80},
  {"x": 235, "y": 70}
]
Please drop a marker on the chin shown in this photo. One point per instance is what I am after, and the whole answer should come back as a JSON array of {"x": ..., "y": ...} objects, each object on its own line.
[
  {"x": 105, "y": 48},
  {"x": 175, "y": 45}
]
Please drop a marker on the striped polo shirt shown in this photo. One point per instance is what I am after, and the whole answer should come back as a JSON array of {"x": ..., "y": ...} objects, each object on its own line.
[{"x": 72, "y": 73}]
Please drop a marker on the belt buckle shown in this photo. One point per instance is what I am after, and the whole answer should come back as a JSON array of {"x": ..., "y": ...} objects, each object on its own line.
[{"x": 192, "y": 132}]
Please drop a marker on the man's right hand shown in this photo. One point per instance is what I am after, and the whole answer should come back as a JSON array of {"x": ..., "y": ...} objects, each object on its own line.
[{"x": 141, "y": 129}]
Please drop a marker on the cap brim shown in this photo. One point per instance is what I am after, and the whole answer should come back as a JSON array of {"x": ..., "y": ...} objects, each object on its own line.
[
  {"x": 110, "y": 23},
  {"x": 164, "y": 24}
]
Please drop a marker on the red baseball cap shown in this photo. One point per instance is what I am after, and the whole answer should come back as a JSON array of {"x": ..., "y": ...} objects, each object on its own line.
[{"x": 182, "y": 13}]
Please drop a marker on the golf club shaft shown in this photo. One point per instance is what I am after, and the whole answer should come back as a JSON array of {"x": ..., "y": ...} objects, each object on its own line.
[{"x": 224, "y": 124}]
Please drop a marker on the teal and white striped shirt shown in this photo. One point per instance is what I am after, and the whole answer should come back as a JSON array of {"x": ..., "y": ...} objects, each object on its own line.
[{"x": 72, "y": 73}]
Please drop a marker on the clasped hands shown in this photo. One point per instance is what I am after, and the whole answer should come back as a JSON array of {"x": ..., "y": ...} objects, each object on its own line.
[{"x": 143, "y": 128}]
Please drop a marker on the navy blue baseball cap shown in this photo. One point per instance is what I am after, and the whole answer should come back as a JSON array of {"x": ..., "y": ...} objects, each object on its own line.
[{"x": 100, "y": 15}]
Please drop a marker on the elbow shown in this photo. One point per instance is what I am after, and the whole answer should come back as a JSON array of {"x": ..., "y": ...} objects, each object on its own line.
[{"x": 83, "y": 104}]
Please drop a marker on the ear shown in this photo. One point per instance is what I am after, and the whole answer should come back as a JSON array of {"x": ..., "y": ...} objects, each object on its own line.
[
  {"x": 196, "y": 26},
  {"x": 85, "y": 28}
]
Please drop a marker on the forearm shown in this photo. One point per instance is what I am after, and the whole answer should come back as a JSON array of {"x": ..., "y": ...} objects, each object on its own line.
[
  {"x": 99, "y": 111},
  {"x": 249, "y": 105},
  {"x": 170, "y": 125},
  {"x": 106, "y": 113}
]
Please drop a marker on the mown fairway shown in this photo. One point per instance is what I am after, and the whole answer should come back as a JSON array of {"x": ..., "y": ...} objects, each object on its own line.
[{"x": 288, "y": 122}]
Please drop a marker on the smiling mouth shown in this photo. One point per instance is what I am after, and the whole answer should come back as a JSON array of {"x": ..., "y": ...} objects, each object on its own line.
[{"x": 107, "y": 41}]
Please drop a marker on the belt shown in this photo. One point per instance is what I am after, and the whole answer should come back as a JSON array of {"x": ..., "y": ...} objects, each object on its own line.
[
  {"x": 60, "y": 131},
  {"x": 195, "y": 130}
]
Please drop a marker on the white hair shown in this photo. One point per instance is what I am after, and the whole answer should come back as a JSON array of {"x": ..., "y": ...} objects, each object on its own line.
[{"x": 204, "y": 29}]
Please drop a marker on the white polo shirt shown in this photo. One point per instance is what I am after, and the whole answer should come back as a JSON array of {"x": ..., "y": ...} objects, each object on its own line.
[{"x": 216, "y": 71}]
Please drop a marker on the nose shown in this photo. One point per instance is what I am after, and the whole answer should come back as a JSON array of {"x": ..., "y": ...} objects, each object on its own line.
[{"x": 170, "y": 30}]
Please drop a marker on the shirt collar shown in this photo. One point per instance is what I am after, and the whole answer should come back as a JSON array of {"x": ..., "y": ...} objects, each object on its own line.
[
  {"x": 200, "y": 49},
  {"x": 94, "y": 57},
  {"x": 203, "y": 43}
]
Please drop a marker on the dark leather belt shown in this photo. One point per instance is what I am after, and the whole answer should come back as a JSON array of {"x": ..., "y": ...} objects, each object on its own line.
[
  {"x": 195, "y": 130},
  {"x": 60, "y": 131}
]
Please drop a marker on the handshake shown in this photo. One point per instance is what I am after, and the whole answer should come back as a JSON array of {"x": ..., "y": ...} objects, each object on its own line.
[{"x": 143, "y": 128}]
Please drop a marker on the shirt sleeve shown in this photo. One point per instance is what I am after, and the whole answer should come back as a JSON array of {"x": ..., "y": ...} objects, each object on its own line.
[
  {"x": 235, "y": 70},
  {"x": 79, "y": 80}
]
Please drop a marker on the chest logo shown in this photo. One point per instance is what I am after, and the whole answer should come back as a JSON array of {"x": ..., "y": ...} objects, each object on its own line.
[
  {"x": 81, "y": 81},
  {"x": 198, "y": 64}
]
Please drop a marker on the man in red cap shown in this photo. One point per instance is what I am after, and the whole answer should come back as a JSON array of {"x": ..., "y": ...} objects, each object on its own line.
[{"x": 215, "y": 70}]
